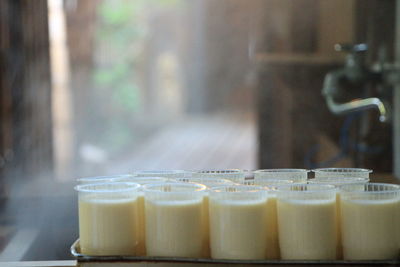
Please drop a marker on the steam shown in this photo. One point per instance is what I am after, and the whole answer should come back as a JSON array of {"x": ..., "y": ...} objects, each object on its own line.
[{"x": 170, "y": 106}]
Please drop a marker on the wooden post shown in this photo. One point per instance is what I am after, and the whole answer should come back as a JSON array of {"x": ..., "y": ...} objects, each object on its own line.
[{"x": 26, "y": 125}]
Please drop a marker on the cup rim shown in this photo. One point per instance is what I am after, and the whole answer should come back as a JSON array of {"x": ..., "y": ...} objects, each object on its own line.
[
  {"x": 267, "y": 179},
  {"x": 269, "y": 182},
  {"x": 282, "y": 170},
  {"x": 129, "y": 187},
  {"x": 104, "y": 177},
  {"x": 343, "y": 170},
  {"x": 219, "y": 171},
  {"x": 150, "y": 188},
  {"x": 322, "y": 188},
  {"x": 155, "y": 172},
  {"x": 339, "y": 180},
  {"x": 395, "y": 188},
  {"x": 137, "y": 179},
  {"x": 206, "y": 179},
  {"x": 246, "y": 189}
]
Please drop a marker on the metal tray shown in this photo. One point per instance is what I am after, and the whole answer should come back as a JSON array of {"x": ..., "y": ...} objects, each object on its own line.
[{"x": 103, "y": 261}]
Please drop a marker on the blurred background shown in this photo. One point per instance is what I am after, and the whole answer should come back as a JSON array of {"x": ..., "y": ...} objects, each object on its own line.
[{"x": 97, "y": 87}]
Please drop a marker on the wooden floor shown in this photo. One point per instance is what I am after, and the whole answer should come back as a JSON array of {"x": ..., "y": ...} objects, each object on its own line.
[{"x": 205, "y": 142}]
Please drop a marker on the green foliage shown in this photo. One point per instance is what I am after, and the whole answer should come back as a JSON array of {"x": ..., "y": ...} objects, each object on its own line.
[
  {"x": 118, "y": 12},
  {"x": 121, "y": 29},
  {"x": 111, "y": 76},
  {"x": 127, "y": 96}
]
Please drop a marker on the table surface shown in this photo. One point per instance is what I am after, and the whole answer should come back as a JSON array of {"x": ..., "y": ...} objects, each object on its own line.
[{"x": 39, "y": 264}]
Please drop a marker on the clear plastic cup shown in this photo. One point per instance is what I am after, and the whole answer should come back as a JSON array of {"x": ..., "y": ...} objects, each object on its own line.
[
  {"x": 297, "y": 175},
  {"x": 175, "y": 223},
  {"x": 104, "y": 179},
  {"x": 341, "y": 172},
  {"x": 174, "y": 174},
  {"x": 233, "y": 175},
  {"x": 108, "y": 218},
  {"x": 337, "y": 182},
  {"x": 307, "y": 222},
  {"x": 237, "y": 222},
  {"x": 370, "y": 221}
]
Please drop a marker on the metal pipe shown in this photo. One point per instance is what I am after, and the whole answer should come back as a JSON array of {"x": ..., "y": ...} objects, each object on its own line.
[{"x": 357, "y": 105}]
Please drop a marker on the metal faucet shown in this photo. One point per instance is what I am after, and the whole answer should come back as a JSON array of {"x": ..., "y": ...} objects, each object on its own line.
[{"x": 354, "y": 73}]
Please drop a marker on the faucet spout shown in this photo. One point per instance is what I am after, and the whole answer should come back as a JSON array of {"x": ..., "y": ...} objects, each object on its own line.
[
  {"x": 332, "y": 90},
  {"x": 357, "y": 105}
]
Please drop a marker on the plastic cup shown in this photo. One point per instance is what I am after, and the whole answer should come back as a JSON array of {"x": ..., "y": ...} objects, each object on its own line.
[
  {"x": 337, "y": 182},
  {"x": 296, "y": 175},
  {"x": 233, "y": 175},
  {"x": 341, "y": 172},
  {"x": 370, "y": 221},
  {"x": 108, "y": 218},
  {"x": 104, "y": 179},
  {"x": 307, "y": 221},
  {"x": 175, "y": 223},
  {"x": 174, "y": 174},
  {"x": 237, "y": 222}
]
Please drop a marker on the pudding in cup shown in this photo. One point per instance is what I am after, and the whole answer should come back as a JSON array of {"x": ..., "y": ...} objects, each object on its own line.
[
  {"x": 109, "y": 219},
  {"x": 337, "y": 182},
  {"x": 307, "y": 222},
  {"x": 174, "y": 217},
  {"x": 370, "y": 221},
  {"x": 238, "y": 219}
]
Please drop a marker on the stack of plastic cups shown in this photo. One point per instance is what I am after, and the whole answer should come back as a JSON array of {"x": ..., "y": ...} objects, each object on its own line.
[
  {"x": 175, "y": 220},
  {"x": 296, "y": 175},
  {"x": 109, "y": 218},
  {"x": 337, "y": 182},
  {"x": 233, "y": 175},
  {"x": 370, "y": 221},
  {"x": 307, "y": 222},
  {"x": 237, "y": 222}
]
